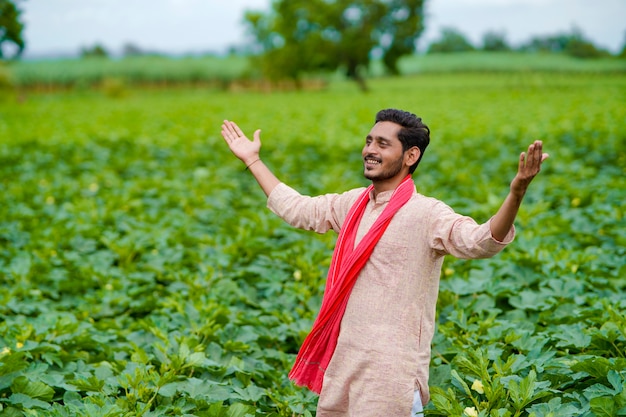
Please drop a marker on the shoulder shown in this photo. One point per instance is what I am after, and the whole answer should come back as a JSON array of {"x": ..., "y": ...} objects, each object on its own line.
[{"x": 429, "y": 203}]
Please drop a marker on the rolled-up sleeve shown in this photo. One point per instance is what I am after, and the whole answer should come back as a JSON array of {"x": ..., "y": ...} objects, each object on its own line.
[
  {"x": 320, "y": 214},
  {"x": 460, "y": 236}
]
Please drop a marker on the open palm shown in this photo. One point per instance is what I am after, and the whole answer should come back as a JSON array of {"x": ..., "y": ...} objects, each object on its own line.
[{"x": 243, "y": 148}]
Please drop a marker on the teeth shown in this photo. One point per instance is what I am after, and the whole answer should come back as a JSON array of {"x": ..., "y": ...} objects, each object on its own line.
[{"x": 371, "y": 161}]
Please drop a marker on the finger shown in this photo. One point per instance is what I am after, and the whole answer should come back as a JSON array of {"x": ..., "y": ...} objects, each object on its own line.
[
  {"x": 257, "y": 135},
  {"x": 228, "y": 128},
  {"x": 226, "y": 134},
  {"x": 538, "y": 150},
  {"x": 522, "y": 161},
  {"x": 540, "y": 155},
  {"x": 238, "y": 131},
  {"x": 534, "y": 155},
  {"x": 231, "y": 127}
]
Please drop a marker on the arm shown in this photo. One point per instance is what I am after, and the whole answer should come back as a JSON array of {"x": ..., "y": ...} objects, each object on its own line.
[
  {"x": 529, "y": 166},
  {"x": 248, "y": 152}
]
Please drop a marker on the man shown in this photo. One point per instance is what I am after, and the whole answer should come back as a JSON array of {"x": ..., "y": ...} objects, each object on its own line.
[{"x": 369, "y": 350}]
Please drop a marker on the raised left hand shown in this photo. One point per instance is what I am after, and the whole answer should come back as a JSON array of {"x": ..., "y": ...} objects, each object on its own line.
[{"x": 529, "y": 167}]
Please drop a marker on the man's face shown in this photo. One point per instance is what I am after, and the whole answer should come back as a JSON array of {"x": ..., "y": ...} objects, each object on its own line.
[{"x": 383, "y": 157}]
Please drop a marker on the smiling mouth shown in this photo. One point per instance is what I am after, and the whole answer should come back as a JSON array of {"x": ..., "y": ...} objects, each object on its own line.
[{"x": 372, "y": 161}]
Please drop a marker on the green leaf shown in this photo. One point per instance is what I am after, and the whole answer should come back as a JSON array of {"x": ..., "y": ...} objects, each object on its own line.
[
  {"x": 240, "y": 410},
  {"x": 12, "y": 362},
  {"x": 595, "y": 366},
  {"x": 195, "y": 359},
  {"x": 616, "y": 380},
  {"x": 89, "y": 384},
  {"x": 603, "y": 406},
  {"x": 573, "y": 335},
  {"x": 461, "y": 383},
  {"x": 527, "y": 390},
  {"x": 553, "y": 408},
  {"x": 250, "y": 393},
  {"x": 33, "y": 389},
  {"x": 20, "y": 265},
  {"x": 27, "y": 402}
]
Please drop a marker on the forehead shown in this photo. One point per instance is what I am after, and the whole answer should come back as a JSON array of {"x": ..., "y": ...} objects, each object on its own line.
[{"x": 385, "y": 130}]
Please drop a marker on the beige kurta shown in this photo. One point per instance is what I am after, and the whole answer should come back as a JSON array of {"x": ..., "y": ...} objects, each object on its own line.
[{"x": 383, "y": 350}]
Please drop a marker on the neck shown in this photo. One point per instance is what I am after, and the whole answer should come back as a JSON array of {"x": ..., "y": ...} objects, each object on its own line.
[{"x": 387, "y": 185}]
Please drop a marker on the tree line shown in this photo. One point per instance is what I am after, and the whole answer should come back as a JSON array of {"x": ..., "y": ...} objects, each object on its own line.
[
  {"x": 299, "y": 37},
  {"x": 572, "y": 43}
]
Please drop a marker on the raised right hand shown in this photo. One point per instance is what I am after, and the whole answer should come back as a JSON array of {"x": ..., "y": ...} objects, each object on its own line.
[{"x": 243, "y": 148}]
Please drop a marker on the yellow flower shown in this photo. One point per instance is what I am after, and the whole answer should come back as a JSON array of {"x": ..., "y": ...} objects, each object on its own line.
[
  {"x": 470, "y": 411},
  {"x": 478, "y": 386},
  {"x": 297, "y": 275},
  {"x": 19, "y": 345},
  {"x": 5, "y": 351}
]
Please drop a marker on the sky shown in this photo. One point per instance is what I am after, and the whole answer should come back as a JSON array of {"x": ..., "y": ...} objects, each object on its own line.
[{"x": 63, "y": 27}]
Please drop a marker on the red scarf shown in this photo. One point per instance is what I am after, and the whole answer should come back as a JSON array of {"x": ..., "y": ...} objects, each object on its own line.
[{"x": 346, "y": 264}]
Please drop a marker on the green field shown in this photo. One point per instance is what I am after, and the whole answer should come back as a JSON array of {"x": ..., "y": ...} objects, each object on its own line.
[
  {"x": 142, "y": 274},
  {"x": 222, "y": 72}
]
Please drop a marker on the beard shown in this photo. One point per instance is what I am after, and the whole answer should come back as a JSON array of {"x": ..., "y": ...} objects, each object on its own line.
[{"x": 392, "y": 170}]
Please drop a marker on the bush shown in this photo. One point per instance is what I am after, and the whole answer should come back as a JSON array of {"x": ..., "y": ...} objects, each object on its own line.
[
  {"x": 451, "y": 40},
  {"x": 6, "y": 79},
  {"x": 581, "y": 48}
]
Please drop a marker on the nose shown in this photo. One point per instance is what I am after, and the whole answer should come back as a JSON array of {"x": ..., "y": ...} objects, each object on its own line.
[{"x": 369, "y": 148}]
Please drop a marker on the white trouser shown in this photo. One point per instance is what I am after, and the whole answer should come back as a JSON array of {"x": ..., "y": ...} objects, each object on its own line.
[{"x": 417, "y": 409}]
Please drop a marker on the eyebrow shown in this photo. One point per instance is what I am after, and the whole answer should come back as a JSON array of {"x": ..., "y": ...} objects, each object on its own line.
[{"x": 379, "y": 138}]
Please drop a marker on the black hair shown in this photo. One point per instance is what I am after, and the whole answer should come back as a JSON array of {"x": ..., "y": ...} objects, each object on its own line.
[{"x": 413, "y": 131}]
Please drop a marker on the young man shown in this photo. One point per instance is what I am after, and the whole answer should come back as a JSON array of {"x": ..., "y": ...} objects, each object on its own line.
[{"x": 369, "y": 350}]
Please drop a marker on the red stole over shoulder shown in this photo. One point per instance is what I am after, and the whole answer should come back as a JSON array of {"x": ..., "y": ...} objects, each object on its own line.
[{"x": 346, "y": 264}]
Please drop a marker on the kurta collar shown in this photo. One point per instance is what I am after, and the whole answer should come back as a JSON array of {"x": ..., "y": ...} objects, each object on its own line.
[{"x": 382, "y": 197}]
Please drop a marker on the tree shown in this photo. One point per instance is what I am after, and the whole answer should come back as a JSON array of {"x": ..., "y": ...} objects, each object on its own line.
[
  {"x": 451, "y": 40},
  {"x": 574, "y": 44},
  {"x": 130, "y": 50},
  {"x": 554, "y": 43},
  {"x": 300, "y": 36},
  {"x": 582, "y": 48},
  {"x": 11, "y": 27},
  {"x": 96, "y": 51},
  {"x": 495, "y": 41}
]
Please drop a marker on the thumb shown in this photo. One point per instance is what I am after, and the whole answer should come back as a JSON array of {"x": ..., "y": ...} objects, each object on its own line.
[{"x": 257, "y": 135}]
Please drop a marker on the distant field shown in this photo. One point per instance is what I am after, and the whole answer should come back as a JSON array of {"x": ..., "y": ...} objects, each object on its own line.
[
  {"x": 150, "y": 70},
  {"x": 142, "y": 274},
  {"x": 508, "y": 61},
  {"x": 221, "y": 72}
]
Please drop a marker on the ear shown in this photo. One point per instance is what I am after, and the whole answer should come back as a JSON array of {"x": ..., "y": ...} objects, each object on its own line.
[{"x": 411, "y": 156}]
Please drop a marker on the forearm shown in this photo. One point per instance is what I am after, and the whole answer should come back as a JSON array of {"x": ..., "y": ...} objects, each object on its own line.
[
  {"x": 503, "y": 220},
  {"x": 266, "y": 179},
  {"x": 529, "y": 166}
]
